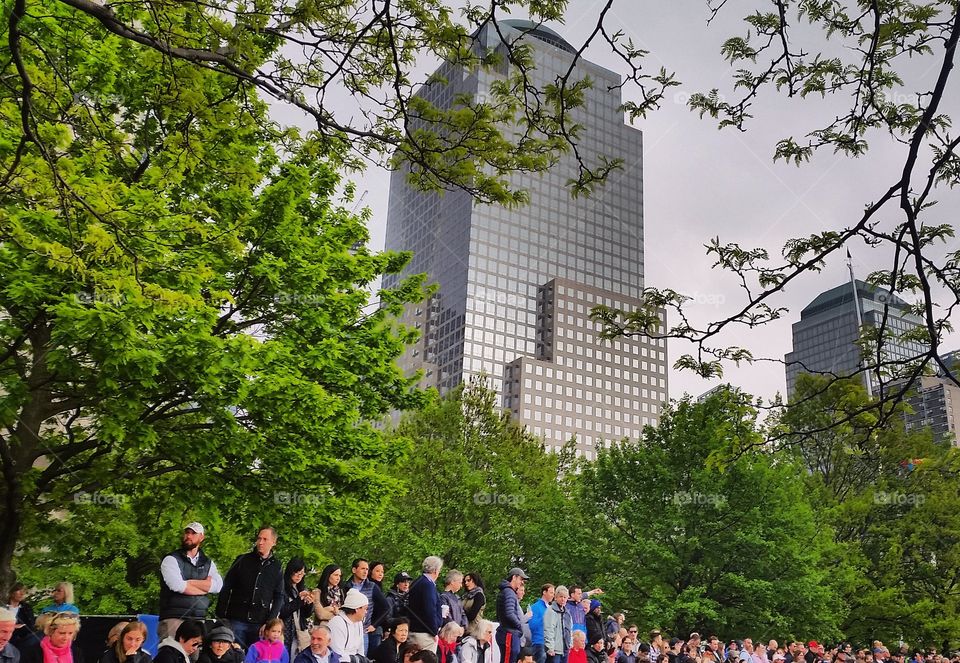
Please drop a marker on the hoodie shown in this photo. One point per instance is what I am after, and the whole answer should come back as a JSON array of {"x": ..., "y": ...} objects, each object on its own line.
[{"x": 171, "y": 651}]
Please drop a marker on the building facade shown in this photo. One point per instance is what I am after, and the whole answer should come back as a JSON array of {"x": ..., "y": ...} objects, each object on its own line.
[
  {"x": 935, "y": 403},
  {"x": 492, "y": 263},
  {"x": 825, "y": 339}
]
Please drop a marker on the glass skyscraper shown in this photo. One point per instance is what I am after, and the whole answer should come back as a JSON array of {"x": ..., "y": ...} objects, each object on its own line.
[{"x": 510, "y": 279}]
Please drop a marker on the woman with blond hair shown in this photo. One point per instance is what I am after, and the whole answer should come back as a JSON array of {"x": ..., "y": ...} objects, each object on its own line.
[
  {"x": 128, "y": 647},
  {"x": 59, "y": 641},
  {"x": 62, "y": 596}
]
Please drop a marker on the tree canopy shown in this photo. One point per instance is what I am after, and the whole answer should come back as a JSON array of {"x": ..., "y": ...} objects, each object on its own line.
[{"x": 183, "y": 300}]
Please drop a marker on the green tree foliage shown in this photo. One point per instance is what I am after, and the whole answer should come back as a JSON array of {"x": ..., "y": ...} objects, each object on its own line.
[
  {"x": 479, "y": 492},
  {"x": 688, "y": 545},
  {"x": 890, "y": 497},
  {"x": 184, "y": 311}
]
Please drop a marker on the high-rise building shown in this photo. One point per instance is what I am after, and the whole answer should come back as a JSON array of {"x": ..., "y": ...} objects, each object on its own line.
[
  {"x": 934, "y": 403},
  {"x": 825, "y": 338},
  {"x": 516, "y": 284}
]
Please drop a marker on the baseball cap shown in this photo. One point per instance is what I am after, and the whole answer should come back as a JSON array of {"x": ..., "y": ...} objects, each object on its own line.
[
  {"x": 196, "y": 527},
  {"x": 221, "y": 633},
  {"x": 517, "y": 571},
  {"x": 403, "y": 576},
  {"x": 813, "y": 644},
  {"x": 354, "y": 600}
]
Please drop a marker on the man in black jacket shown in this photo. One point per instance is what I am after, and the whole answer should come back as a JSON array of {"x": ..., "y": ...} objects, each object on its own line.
[
  {"x": 510, "y": 615},
  {"x": 253, "y": 589}
]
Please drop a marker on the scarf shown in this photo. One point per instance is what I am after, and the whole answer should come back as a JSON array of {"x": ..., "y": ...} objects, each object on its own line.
[
  {"x": 53, "y": 654},
  {"x": 446, "y": 650},
  {"x": 332, "y": 596},
  {"x": 266, "y": 650}
]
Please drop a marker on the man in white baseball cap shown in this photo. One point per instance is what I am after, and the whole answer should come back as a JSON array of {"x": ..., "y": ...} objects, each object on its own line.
[
  {"x": 346, "y": 627},
  {"x": 187, "y": 578}
]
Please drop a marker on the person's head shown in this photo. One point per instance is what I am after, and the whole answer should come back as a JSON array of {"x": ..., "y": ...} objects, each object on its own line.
[
  {"x": 431, "y": 566},
  {"x": 525, "y": 655},
  {"x": 643, "y": 652},
  {"x": 400, "y": 629},
  {"x": 62, "y": 628},
  {"x": 360, "y": 568},
  {"x": 62, "y": 592},
  {"x": 266, "y": 540},
  {"x": 579, "y": 640},
  {"x": 406, "y": 651},
  {"x": 355, "y": 605},
  {"x": 598, "y": 643},
  {"x": 114, "y": 633},
  {"x": 377, "y": 571},
  {"x": 320, "y": 639},
  {"x": 675, "y": 644},
  {"x": 131, "y": 638},
  {"x": 450, "y": 631},
  {"x": 516, "y": 578},
  {"x": 561, "y": 595},
  {"x": 221, "y": 639},
  {"x": 8, "y": 622},
  {"x": 576, "y": 593},
  {"x": 733, "y": 646},
  {"x": 656, "y": 638},
  {"x": 192, "y": 537},
  {"x": 547, "y": 592},
  {"x": 329, "y": 577},
  {"x": 713, "y": 642},
  {"x": 773, "y": 646},
  {"x": 424, "y": 656},
  {"x": 190, "y": 636},
  {"x": 401, "y": 582},
  {"x": 748, "y": 645},
  {"x": 627, "y": 644},
  {"x": 18, "y": 592},
  {"x": 694, "y": 640},
  {"x": 487, "y": 631},
  {"x": 619, "y": 617},
  {"x": 294, "y": 573},
  {"x": 454, "y": 581},
  {"x": 471, "y": 580},
  {"x": 273, "y": 630},
  {"x": 595, "y": 607}
]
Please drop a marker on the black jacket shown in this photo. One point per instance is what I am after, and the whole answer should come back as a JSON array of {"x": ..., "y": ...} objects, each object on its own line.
[
  {"x": 232, "y": 655},
  {"x": 594, "y": 631},
  {"x": 386, "y": 652},
  {"x": 252, "y": 589},
  {"x": 594, "y": 656},
  {"x": 381, "y": 608},
  {"x": 110, "y": 656},
  {"x": 25, "y": 637}
]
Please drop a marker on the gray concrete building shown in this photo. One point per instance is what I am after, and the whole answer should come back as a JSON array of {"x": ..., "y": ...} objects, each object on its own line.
[
  {"x": 493, "y": 265},
  {"x": 935, "y": 403},
  {"x": 825, "y": 337}
]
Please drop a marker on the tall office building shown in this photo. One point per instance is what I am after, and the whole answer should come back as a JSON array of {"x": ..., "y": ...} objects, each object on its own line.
[
  {"x": 825, "y": 337},
  {"x": 516, "y": 285}
]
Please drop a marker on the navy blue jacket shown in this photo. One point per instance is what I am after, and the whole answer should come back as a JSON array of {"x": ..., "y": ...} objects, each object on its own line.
[
  {"x": 509, "y": 613},
  {"x": 306, "y": 656},
  {"x": 423, "y": 605}
]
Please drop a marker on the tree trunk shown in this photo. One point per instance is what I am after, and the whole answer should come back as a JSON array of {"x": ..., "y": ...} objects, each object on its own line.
[{"x": 11, "y": 520}]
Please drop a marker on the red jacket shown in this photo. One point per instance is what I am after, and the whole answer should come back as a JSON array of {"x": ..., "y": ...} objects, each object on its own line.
[{"x": 577, "y": 656}]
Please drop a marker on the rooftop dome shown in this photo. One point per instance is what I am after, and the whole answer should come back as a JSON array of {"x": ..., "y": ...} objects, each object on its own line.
[{"x": 541, "y": 32}]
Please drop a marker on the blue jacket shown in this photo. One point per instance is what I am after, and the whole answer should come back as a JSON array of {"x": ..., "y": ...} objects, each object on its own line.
[
  {"x": 508, "y": 610},
  {"x": 423, "y": 605},
  {"x": 536, "y": 622},
  {"x": 306, "y": 656}
]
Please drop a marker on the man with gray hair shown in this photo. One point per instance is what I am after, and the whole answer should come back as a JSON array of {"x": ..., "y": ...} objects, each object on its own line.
[
  {"x": 450, "y": 604},
  {"x": 8, "y": 623},
  {"x": 424, "y": 604},
  {"x": 558, "y": 627},
  {"x": 319, "y": 651}
]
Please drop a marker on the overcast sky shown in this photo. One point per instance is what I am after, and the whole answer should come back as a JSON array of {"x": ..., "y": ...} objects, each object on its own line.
[{"x": 700, "y": 182}]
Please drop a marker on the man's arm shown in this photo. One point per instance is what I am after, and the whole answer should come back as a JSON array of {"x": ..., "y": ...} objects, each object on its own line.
[
  {"x": 216, "y": 582},
  {"x": 172, "y": 578}
]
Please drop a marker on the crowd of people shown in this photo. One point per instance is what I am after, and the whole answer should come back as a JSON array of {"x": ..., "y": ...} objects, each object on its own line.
[{"x": 266, "y": 614}]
